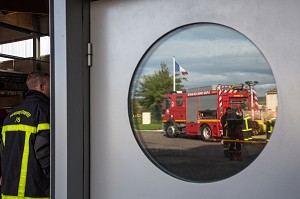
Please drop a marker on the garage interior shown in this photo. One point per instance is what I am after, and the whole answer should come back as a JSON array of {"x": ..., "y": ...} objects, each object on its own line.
[{"x": 24, "y": 48}]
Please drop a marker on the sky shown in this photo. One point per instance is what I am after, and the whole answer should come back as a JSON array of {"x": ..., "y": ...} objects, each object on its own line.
[{"x": 212, "y": 54}]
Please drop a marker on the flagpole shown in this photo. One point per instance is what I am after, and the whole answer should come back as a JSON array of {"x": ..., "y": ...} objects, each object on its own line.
[{"x": 174, "y": 74}]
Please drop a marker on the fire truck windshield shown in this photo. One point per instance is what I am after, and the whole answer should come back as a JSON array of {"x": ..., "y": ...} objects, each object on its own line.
[
  {"x": 166, "y": 103},
  {"x": 179, "y": 101},
  {"x": 238, "y": 101}
]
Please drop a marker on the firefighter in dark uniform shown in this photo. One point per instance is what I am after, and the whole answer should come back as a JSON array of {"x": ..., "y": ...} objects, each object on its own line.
[
  {"x": 233, "y": 132},
  {"x": 270, "y": 126},
  {"x": 225, "y": 131},
  {"x": 25, "y": 143}
]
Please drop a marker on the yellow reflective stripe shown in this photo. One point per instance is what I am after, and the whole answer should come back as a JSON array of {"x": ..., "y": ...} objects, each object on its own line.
[
  {"x": 271, "y": 129},
  {"x": 250, "y": 129},
  {"x": 180, "y": 120},
  {"x": 19, "y": 127},
  {"x": 246, "y": 125},
  {"x": 16, "y": 127},
  {"x": 43, "y": 126},
  {"x": 24, "y": 166},
  {"x": 25, "y": 128},
  {"x": 271, "y": 126},
  {"x": 208, "y": 121},
  {"x": 18, "y": 197},
  {"x": 3, "y": 136}
]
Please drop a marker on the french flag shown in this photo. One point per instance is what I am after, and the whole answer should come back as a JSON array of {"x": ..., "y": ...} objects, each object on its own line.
[{"x": 180, "y": 69}]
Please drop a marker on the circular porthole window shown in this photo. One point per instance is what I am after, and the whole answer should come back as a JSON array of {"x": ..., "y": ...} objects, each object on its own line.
[{"x": 203, "y": 102}]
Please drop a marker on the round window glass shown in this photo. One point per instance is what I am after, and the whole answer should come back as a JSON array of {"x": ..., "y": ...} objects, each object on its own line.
[{"x": 203, "y": 102}]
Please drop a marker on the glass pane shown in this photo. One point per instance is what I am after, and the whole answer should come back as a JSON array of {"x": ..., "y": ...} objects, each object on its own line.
[
  {"x": 45, "y": 46},
  {"x": 20, "y": 48},
  {"x": 179, "y": 101},
  {"x": 228, "y": 102}
]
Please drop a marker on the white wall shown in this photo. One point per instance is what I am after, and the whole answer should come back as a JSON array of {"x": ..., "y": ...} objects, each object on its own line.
[{"x": 272, "y": 101}]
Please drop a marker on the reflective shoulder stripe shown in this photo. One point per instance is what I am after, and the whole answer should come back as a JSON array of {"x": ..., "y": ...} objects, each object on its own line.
[
  {"x": 43, "y": 126},
  {"x": 26, "y": 128},
  {"x": 17, "y": 197},
  {"x": 19, "y": 127},
  {"x": 16, "y": 127}
]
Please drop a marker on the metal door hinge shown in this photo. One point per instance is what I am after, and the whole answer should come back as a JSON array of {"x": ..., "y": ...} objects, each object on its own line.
[{"x": 89, "y": 54}]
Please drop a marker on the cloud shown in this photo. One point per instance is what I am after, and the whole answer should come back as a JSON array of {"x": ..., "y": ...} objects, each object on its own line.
[{"x": 212, "y": 54}]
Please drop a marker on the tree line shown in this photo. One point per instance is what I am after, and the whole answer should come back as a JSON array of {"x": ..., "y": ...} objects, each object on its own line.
[{"x": 148, "y": 95}]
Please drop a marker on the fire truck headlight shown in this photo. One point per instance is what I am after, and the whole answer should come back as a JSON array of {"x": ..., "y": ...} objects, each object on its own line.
[
  {"x": 171, "y": 116},
  {"x": 167, "y": 111}
]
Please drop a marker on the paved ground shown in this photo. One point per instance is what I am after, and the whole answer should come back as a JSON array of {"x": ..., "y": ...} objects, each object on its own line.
[{"x": 192, "y": 159}]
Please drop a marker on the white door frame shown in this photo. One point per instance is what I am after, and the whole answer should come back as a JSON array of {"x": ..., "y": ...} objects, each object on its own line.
[{"x": 69, "y": 99}]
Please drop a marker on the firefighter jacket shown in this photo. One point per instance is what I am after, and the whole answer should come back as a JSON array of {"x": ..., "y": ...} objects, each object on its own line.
[
  {"x": 25, "y": 157},
  {"x": 232, "y": 127},
  {"x": 247, "y": 128}
]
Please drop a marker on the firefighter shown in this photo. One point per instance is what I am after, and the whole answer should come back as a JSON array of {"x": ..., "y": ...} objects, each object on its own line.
[
  {"x": 233, "y": 131},
  {"x": 25, "y": 157},
  {"x": 225, "y": 131},
  {"x": 270, "y": 126}
]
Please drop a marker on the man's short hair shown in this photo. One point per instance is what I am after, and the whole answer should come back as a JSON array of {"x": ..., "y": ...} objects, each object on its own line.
[{"x": 35, "y": 78}]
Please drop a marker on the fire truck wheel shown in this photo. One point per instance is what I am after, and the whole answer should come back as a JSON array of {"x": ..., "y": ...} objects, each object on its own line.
[
  {"x": 205, "y": 132},
  {"x": 171, "y": 130}
]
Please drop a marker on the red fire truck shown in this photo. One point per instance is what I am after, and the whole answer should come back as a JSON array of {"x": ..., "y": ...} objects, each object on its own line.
[{"x": 198, "y": 111}]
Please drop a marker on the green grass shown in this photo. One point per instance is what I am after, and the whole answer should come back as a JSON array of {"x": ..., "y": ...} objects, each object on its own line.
[{"x": 155, "y": 124}]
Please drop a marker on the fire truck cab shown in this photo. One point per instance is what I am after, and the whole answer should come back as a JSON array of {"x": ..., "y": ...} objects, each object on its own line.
[{"x": 197, "y": 112}]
